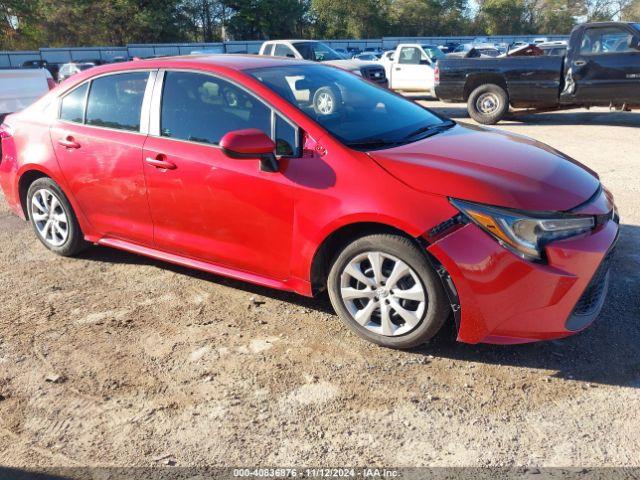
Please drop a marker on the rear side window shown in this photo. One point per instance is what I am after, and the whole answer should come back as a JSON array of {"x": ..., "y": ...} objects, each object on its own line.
[
  {"x": 115, "y": 101},
  {"x": 268, "y": 49},
  {"x": 72, "y": 107}
]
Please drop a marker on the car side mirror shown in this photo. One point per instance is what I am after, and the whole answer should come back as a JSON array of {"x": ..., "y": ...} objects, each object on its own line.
[{"x": 251, "y": 144}]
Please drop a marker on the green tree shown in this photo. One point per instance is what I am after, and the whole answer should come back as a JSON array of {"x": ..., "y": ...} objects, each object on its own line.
[
  {"x": 555, "y": 16},
  {"x": 429, "y": 17},
  {"x": 631, "y": 12},
  {"x": 502, "y": 17},
  {"x": 258, "y": 19},
  {"x": 349, "y": 19}
]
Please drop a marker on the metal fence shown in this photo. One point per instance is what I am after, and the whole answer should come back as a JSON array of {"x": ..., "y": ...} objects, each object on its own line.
[{"x": 107, "y": 54}]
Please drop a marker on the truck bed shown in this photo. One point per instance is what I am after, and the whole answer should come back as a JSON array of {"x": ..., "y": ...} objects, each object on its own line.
[{"x": 530, "y": 81}]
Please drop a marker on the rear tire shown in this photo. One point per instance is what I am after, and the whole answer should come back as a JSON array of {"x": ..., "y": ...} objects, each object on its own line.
[
  {"x": 488, "y": 104},
  {"x": 52, "y": 218},
  {"x": 400, "y": 310}
]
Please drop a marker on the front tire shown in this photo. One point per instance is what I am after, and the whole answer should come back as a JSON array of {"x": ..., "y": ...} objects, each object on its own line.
[
  {"x": 385, "y": 290},
  {"x": 53, "y": 219},
  {"x": 488, "y": 104}
]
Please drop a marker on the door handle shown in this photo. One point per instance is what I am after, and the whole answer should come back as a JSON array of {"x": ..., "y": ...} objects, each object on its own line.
[
  {"x": 160, "y": 162},
  {"x": 579, "y": 63},
  {"x": 398, "y": 68},
  {"x": 68, "y": 142}
]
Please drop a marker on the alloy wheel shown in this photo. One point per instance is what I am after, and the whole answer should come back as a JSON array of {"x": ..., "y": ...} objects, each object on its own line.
[
  {"x": 49, "y": 217},
  {"x": 383, "y": 294},
  {"x": 325, "y": 103}
]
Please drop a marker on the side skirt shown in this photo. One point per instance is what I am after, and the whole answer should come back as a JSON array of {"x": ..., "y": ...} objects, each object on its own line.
[{"x": 294, "y": 285}]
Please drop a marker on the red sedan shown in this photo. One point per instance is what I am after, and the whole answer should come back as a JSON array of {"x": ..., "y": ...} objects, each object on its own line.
[{"x": 304, "y": 177}]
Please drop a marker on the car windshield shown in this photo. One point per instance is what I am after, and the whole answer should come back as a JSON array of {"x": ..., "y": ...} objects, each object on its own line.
[
  {"x": 358, "y": 113},
  {"x": 316, "y": 51}
]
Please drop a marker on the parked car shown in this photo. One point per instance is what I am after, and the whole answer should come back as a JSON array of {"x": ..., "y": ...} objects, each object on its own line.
[
  {"x": 321, "y": 52},
  {"x": 448, "y": 47},
  {"x": 353, "y": 51},
  {"x": 51, "y": 67},
  {"x": 468, "y": 50},
  {"x": 19, "y": 88},
  {"x": 71, "y": 68},
  {"x": 553, "y": 48},
  {"x": 368, "y": 57},
  {"x": 411, "y": 67},
  {"x": 602, "y": 67},
  {"x": 408, "y": 219},
  {"x": 530, "y": 50}
]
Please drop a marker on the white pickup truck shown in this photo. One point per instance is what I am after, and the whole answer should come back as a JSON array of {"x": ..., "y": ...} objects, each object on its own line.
[
  {"x": 321, "y": 52},
  {"x": 19, "y": 88},
  {"x": 411, "y": 66}
]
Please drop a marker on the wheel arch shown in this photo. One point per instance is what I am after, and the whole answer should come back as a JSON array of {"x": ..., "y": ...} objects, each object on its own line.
[
  {"x": 26, "y": 178},
  {"x": 474, "y": 81},
  {"x": 335, "y": 241}
]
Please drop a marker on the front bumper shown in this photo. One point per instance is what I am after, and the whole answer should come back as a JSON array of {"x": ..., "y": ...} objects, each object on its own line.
[{"x": 505, "y": 299}]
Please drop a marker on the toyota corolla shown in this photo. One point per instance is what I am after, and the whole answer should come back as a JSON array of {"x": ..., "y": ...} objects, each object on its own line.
[{"x": 303, "y": 177}]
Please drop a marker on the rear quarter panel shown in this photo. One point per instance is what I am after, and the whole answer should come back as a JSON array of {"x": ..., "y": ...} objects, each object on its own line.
[{"x": 530, "y": 81}]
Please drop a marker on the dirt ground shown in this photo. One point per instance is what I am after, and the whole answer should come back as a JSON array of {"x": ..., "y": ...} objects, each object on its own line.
[{"x": 114, "y": 359}]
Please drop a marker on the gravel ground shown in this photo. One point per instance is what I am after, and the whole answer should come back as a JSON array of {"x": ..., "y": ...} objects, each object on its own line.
[{"x": 113, "y": 359}]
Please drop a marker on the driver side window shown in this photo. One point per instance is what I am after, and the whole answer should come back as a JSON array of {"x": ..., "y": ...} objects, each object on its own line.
[
  {"x": 605, "y": 40},
  {"x": 201, "y": 108}
]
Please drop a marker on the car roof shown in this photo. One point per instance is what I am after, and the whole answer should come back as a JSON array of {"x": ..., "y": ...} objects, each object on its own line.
[{"x": 238, "y": 62}]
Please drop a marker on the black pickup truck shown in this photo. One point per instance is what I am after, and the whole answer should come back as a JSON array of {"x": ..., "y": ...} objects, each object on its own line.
[{"x": 601, "y": 67}]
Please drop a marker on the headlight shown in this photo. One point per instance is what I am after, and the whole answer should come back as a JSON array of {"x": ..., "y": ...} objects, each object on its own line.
[{"x": 524, "y": 233}]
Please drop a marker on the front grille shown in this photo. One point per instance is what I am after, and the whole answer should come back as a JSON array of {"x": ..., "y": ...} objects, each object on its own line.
[
  {"x": 591, "y": 298},
  {"x": 374, "y": 74}
]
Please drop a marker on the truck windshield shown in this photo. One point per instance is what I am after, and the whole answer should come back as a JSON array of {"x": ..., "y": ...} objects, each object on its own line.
[
  {"x": 316, "y": 51},
  {"x": 358, "y": 113}
]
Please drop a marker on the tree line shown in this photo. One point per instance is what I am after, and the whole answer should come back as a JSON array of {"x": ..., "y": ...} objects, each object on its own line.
[{"x": 31, "y": 24}]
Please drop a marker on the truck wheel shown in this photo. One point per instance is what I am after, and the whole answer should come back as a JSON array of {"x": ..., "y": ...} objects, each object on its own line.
[{"x": 488, "y": 104}]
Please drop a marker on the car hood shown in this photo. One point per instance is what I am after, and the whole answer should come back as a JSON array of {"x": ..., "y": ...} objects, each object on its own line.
[
  {"x": 491, "y": 167},
  {"x": 350, "y": 65}
]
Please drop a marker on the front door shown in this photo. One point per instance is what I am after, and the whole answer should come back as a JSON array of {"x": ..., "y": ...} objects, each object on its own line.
[
  {"x": 100, "y": 153},
  {"x": 412, "y": 71},
  {"x": 607, "y": 68},
  {"x": 204, "y": 204}
]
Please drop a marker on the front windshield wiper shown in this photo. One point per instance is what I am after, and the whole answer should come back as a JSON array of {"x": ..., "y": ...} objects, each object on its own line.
[{"x": 431, "y": 129}]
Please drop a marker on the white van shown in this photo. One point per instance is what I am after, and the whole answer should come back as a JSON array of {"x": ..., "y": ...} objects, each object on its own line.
[{"x": 19, "y": 88}]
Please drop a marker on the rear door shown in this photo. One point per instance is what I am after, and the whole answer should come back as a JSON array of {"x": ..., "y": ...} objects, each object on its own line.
[
  {"x": 98, "y": 141},
  {"x": 412, "y": 70},
  {"x": 606, "y": 68}
]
